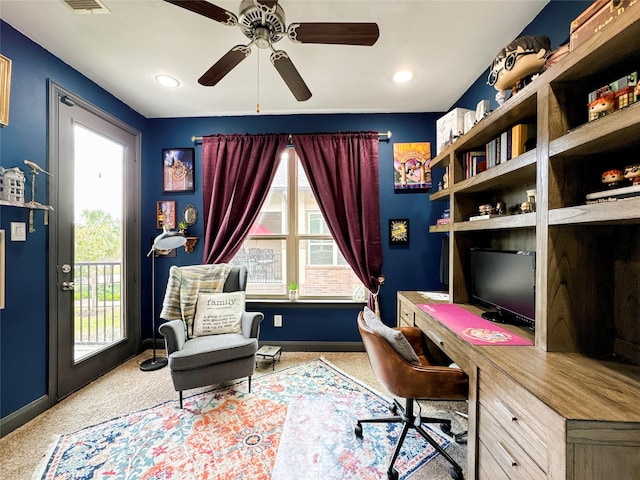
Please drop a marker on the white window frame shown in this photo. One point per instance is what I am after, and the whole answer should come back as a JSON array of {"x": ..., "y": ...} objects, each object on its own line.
[{"x": 293, "y": 238}]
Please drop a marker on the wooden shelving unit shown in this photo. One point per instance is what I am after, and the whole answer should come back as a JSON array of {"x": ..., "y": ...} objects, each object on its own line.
[
  {"x": 571, "y": 401},
  {"x": 588, "y": 263}
]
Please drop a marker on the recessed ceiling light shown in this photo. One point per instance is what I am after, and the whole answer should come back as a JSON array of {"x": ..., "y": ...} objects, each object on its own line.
[
  {"x": 402, "y": 76},
  {"x": 167, "y": 80}
]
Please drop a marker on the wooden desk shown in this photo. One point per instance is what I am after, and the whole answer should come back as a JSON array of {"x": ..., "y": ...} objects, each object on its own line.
[{"x": 540, "y": 415}]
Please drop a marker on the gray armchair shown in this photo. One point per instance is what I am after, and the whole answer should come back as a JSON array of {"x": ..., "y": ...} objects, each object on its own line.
[{"x": 201, "y": 361}]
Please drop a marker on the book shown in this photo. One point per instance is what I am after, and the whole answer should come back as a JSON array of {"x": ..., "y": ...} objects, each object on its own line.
[
  {"x": 484, "y": 217},
  {"x": 443, "y": 221},
  {"x": 614, "y": 194},
  {"x": 521, "y": 134}
]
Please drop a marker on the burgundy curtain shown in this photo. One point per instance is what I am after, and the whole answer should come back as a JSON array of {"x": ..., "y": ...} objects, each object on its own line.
[
  {"x": 237, "y": 171},
  {"x": 342, "y": 169}
]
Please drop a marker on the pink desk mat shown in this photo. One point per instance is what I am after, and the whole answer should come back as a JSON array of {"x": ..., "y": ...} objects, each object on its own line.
[{"x": 474, "y": 329}]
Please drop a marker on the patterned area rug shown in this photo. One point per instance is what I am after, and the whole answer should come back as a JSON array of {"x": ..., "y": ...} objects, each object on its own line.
[{"x": 229, "y": 434}]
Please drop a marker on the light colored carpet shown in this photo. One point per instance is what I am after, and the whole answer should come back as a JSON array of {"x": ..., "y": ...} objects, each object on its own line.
[{"x": 127, "y": 389}]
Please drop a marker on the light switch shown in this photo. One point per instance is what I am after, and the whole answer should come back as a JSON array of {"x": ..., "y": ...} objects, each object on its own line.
[{"x": 18, "y": 231}]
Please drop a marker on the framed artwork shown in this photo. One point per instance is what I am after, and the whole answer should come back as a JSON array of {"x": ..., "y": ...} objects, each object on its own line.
[
  {"x": 411, "y": 165},
  {"x": 399, "y": 231},
  {"x": 166, "y": 214},
  {"x": 5, "y": 89},
  {"x": 1, "y": 269},
  {"x": 178, "y": 169}
]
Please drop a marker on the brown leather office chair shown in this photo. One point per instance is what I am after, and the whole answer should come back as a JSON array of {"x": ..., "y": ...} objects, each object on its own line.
[{"x": 406, "y": 380}]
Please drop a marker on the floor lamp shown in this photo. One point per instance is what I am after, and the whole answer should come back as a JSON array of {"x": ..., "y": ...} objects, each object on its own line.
[{"x": 167, "y": 240}]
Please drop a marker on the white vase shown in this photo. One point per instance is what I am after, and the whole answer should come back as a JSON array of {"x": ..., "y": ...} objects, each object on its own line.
[{"x": 293, "y": 295}]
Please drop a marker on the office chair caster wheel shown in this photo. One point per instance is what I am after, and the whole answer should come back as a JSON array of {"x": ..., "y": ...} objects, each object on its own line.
[
  {"x": 445, "y": 427},
  {"x": 358, "y": 430},
  {"x": 392, "y": 474},
  {"x": 456, "y": 473}
]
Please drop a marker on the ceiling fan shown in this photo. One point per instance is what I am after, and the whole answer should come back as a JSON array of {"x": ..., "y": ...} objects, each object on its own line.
[{"x": 263, "y": 23}]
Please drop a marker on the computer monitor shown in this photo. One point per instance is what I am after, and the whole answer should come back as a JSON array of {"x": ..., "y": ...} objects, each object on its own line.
[{"x": 506, "y": 281}]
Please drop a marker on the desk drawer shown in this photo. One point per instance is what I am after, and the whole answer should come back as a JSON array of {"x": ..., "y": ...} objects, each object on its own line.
[
  {"x": 488, "y": 467},
  {"x": 505, "y": 452},
  {"x": 506, "y": 406},
  {"x": 455, "y": 347},
  {"x": 406, "y": 314}
]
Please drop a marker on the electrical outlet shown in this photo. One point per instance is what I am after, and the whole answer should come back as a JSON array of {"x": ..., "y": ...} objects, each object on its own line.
[{"x": 277, "y": 320}]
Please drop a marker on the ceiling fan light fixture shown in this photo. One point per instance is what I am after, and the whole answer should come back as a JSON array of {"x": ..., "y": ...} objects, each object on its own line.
[
  {"x": 167, "y": 80},
  {"x": 402, "y": 76}
]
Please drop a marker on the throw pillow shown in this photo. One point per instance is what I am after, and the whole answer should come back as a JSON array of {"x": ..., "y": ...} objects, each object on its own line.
[
  {"x": 218, "y": 313},
  {"x": 395, "y": 337}
]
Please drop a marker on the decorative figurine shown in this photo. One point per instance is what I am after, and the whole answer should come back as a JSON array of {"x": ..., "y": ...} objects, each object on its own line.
[
  {"x": 486, "y": 209},
  {"x": 602, "y": 105},
  {"x": 632, "y": 173},
  {"x": 526, "y": 207},
  {"x": 612, "y": 178},
  {"x": 501, "y": 208},
  {"x": 518, "y": 63}
]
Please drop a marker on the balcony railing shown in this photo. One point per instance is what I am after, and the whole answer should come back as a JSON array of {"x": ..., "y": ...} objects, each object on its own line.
[{"x": 97, "y": 312}]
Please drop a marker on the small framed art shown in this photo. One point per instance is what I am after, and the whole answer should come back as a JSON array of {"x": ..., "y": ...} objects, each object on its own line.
[
  {"x": 411, "y": 165},
  {"x": 399, "y": 231},
  {"x": 178, "y": 169},
  {"x": 5, "y": 89},
  {"x": 166, "y": 214}
]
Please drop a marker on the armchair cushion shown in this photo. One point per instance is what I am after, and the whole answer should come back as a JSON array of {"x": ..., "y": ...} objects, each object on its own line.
[
  {"x": 212, "y": 349},
  {"x": 395, "y": 337},
  {"x": 218, "y": 313}
]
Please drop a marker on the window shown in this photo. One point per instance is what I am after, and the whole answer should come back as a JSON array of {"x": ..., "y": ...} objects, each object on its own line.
[{"x": 290, "y": 243}]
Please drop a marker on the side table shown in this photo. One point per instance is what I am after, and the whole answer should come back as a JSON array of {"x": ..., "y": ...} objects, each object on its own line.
[{"x": 269, "y": 352}]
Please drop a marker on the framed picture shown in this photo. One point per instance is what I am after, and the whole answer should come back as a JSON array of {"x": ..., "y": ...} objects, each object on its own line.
[
  {"x": 5, "y": 89},
  {"x": 1, "y": 269},
  {"x": 399, "y": 231},
  {"x": 166, "y": 214},
  {"x": 411, "y": 166},
  {"x": 178, "y": 169}
]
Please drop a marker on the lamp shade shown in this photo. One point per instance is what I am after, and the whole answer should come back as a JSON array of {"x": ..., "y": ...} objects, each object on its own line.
[{"x": 169, "y": 240}]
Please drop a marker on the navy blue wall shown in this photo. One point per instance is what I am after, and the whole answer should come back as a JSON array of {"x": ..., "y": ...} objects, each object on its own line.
[
  {"x": 553, "y": 21},
  {"x": 24, "y": 322},
  {"x": 405, "y": 268}
]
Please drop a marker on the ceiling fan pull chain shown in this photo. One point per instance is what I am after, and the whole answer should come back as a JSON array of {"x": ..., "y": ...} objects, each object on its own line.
[{"x": 258, "y": 86}]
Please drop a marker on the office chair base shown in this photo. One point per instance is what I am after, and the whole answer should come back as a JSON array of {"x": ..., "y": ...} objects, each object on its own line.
[{"x": 410, "y": 420}]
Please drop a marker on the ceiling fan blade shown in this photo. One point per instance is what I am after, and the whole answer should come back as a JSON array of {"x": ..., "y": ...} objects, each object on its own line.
[
  {"x": 290, "y": 75},
  {"x": 208, "y": 10},
  {"x": 228, "y": 62},
  {"x": 334, "y": 33}
]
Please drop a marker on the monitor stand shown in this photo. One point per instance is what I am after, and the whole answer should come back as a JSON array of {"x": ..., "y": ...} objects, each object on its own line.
[{"x": 496, "y": 317}]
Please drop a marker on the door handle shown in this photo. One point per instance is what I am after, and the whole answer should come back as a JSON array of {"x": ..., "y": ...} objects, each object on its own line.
[{"x": 67, "y": 286}]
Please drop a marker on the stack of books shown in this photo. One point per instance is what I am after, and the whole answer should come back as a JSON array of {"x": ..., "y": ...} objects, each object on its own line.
[
  {"x": 614, "y": 194},
  {"x": 509, "y": 144}
]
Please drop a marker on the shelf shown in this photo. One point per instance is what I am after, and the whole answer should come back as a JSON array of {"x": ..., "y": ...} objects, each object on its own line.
[
  {"x": 513, "y": 171},
  {"x": 619, "y": 212},
  {"x": 525, "y": 220},
  {"x": 617, "y": 130},
  {"x": 521, "y": 108},
  {"x": 608, "y": 46},
  {"x": 440, "y": 195},
  {"x": 440, "y": 228},
  {"x": 30, "y": 205}
]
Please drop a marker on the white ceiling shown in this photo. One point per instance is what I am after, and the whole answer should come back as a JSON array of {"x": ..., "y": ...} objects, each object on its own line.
[{"x": 447, "y": 45}]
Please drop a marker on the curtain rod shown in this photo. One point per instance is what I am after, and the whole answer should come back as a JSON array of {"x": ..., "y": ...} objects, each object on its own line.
[{"x": 382, "y": 137}]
